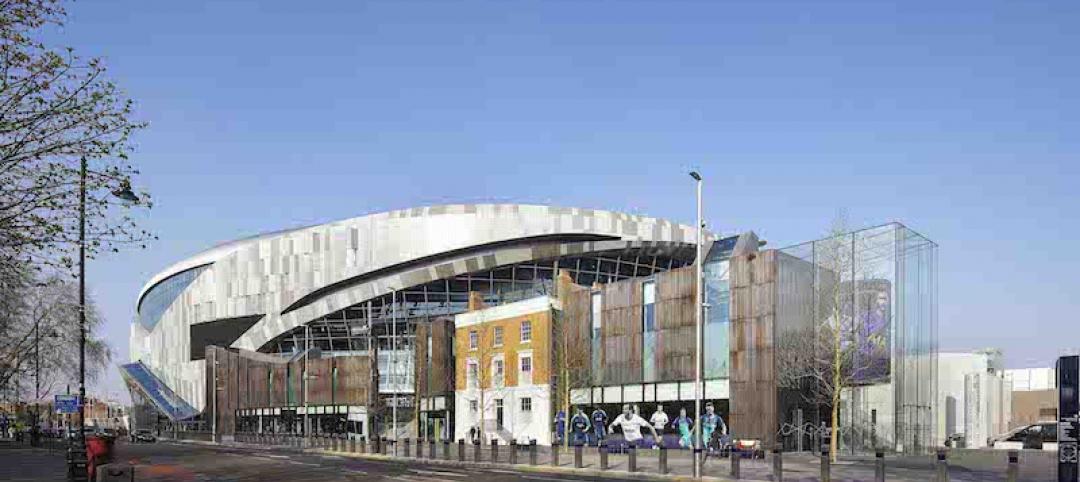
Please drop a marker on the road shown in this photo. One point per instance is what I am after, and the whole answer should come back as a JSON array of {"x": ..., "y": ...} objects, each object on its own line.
[{"x": 185, "y": 462}]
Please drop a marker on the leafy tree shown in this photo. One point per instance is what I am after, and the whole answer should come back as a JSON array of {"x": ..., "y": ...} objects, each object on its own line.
[{"x": 57, "y": 110}]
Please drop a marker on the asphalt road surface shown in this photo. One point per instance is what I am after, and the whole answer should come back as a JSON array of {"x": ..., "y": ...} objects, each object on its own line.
[{"x": 165, "y": 461}]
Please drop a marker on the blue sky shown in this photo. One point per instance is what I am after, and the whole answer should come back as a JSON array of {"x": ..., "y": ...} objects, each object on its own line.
[{"x": 957, "y": 118}]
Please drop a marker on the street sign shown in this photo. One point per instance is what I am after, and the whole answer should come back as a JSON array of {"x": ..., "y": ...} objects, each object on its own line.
[
  {"x": 1068, "y": 373},
  {"x": 67, "y": 404}
]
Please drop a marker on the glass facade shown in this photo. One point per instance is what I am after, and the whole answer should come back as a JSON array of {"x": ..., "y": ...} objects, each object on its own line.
[
  {"x": 869, "y": 300},
  {"x": 160, "y": 297},
  {"x": 717, "y": 316},
  {"x": 648, "y": 331}
]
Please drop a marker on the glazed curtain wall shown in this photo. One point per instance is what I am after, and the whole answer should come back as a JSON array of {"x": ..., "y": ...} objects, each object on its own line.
[{"x": 870, "y": 296}]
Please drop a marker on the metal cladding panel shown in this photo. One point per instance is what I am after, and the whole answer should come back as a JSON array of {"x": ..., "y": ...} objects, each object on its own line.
[
  {"x": 354, "y": 380},
  {"x": 269, "y": 273},
  {"x": 320, "y": 381},
  {"x": 278, "y": 385},
  {"x": 752, "y": 374}
]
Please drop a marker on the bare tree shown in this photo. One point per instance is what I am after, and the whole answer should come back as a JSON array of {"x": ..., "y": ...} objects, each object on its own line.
[
  {"x": 39, "y": 336},
  {"x": 571, "y": 348},
  {"x": 842, "y": 346},
  {"x": 58, "y": 110},
  {"x": 478, "y": 351}
]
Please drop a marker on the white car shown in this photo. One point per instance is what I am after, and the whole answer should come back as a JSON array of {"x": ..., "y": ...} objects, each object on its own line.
[{"x": 1037, "y": 436}]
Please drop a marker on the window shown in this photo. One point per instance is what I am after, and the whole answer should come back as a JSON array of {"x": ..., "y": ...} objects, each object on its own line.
[
  {"x": 498, "y": 336},
  {"x": 648, "y": 329},
  {"x": 499, "y": 413},
  {"x": 526, "y": 363},
  {"x": 526, "y": 404},
  {"x": 597, "y": 324},
  {"x": 472, "y": 373},
  {"x": 474, "y": 340},
  {"x": 473, "y": 405},
  {"x": 526, "y": 331},
  {"x": 499, "y": 367},
  {"x": 648, "y": 314}
]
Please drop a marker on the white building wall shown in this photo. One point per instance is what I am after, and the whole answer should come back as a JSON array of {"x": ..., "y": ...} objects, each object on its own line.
[
  {"x": 517, "y": 424},
  {"x": 973, "y": 397},
  {"x": 1031, "y": 379}
]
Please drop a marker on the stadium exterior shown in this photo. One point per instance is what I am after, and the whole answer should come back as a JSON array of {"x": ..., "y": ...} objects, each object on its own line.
[{"x": 328, "y": 328}]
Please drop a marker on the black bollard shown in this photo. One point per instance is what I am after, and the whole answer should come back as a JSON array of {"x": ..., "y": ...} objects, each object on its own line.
[
  {"x": 532, "y": 452},
  {"x": 476, "y": 451},
  {"x": 942, "y": 466},
  {"x": 446, "y": 450},
  {"x": 461, "y": 450},
  {"x": 494, "y": 450},
  {"x": 555, "y": 455},
  {"x": 513, "y": 451},
  {"x": 826, "y": 469},
  {"x": 736, "y": 457},
  {"x": 879, "y": 466},
  {"x": 419, "y": 448},
  {"x": 406, "y": 447},
  {"x": 1012, "y": 473},
  {"x": 577, "y": 456},
  {"x": 431, "y": 448},
  {"x": 631, "y": 459},
  {"x": 603, "y": 455},
  {"x": 663, "y": 460},
  {"x": 778, "y": 465}
]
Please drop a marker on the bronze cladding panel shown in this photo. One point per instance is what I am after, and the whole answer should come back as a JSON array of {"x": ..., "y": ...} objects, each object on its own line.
[
  {"x": 753, "y": 377},
  {"x": 353, "y": 380},
  {"x": 320, "y": 380},
  {"x": 423, "y": 366},
  {"x": 277, "y": 389}
]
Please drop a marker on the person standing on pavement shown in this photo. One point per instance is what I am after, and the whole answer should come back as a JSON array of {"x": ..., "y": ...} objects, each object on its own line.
[
  {"x": 631, "y": 424},
  {"x": 580, "y": 426},
  {"x": 599, "y": 421}
]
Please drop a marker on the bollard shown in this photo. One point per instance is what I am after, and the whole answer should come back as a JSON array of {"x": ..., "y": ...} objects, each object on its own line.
[
  {"x": 532, "y": 452},
  {"x": 603, "y": 456},
  {"x": 446, "y": 450},
  {"x": 555, "y": 455},
  {"x": 419, "y": 448},
  {"x": 778, "y": 465},
  {"x": 1012, "y": 473},
  {"x": 825, "y": 468},
  {"x": 577, "y": 456},
  {"x": 513, "y": 452},
  {"x": 631, "y": 459},
  {"x": 363, "y": 444},
  {"x": 406, "y": 447},
  {"x": 663, "y": 460},
  {"x": 879, "y": 466},
  {"x": 461, "y": 450},
  {"x": 336, "y": 442},
  {"x": 494, "y": 450},
  {"x": 431, "y": 448},
  {"x": 736, "y": 457},
  {"x": 352, "y": 445},
  {"x": 476, "y": 451},
  {"x": 696, "y": 462},
  {"x": 942, "y": 466}
]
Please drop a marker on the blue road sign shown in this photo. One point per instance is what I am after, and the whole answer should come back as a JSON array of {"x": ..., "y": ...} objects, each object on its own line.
[{"x": 67, "y": 404}]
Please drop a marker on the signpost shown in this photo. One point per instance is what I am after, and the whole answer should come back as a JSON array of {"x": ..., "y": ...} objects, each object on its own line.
[
  {"x": 67, "y": 404},
  {"x": 1068, "y": 373}
]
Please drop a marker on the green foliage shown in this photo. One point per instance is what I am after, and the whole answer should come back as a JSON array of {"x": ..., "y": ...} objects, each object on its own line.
[{"x": 57, "y": 110}]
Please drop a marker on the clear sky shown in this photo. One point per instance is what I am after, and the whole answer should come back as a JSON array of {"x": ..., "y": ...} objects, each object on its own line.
[{"x": 958, "y": 118}]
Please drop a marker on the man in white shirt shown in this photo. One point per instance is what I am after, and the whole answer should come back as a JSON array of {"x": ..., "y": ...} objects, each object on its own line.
[{"x": 631, "y": 424}]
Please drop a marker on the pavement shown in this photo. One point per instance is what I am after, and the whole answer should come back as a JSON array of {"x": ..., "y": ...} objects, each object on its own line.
[{"x": 185, "y": 461}]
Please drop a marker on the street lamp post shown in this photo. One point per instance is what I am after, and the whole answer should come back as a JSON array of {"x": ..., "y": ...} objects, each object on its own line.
[
  {"x": 698, "y": 301},
  {"x": 124, "y": 193},
  {"x": 393, "y": 365}
]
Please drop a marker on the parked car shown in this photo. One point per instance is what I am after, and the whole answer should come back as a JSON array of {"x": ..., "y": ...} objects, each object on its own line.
[
  {"x": 1037, "y": 436},
  {"x": 143, "y": 435}
]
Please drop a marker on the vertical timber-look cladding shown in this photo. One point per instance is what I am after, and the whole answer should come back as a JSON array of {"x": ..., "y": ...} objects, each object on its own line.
[
  {"x": 753, "y": 378},
  {"x": 320, "y": 380},
  {"x": 618, "y": 331},
  {"x": 278, "y": 393},
  {"x": 354, "y": 380},
  {"x": 422, "y": 365},
  {"x": 441, "y": 379},
  {"x": 675, "y": 323}
]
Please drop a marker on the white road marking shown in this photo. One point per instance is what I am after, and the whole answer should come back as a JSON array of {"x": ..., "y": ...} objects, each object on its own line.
[
  {"x": 297, "y": 462},
  {"x": 541, "y": 477},
  {"x": 437, "y": 473}
]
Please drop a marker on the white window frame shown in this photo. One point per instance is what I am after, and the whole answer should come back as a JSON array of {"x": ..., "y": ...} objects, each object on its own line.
[
  {"x": 526, "y": 331},
  {"x": 472, "y": 373},
  {"x": 526, "y": 401},
  {"x": 497, "y": 337},
  {"x": 474, "y": 406},
  {"x": 498, "y": 377},
  {"x": 474, "y": 340}
]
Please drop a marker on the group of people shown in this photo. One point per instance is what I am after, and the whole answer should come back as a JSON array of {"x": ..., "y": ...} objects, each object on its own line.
[{"x": 713, "y": 428}]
